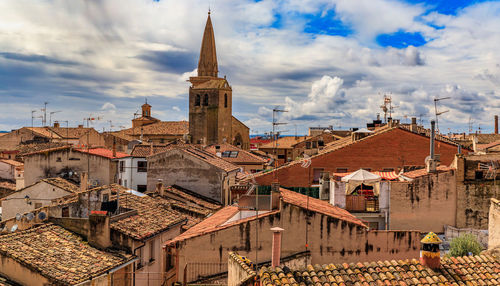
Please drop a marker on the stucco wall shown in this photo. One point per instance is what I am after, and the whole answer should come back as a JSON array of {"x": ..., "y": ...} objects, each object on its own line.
[
  {"x": 19, "y": 273},
  {"x": 330, "y": 241},
  {"x": 41, "y": 193},
  {"x": 494, "y": 225},
  {"x": 44, "y": 165},
  {"x": 7, "y": 171},
  {"x": 426, "y": 204},
  {"x": 174, "y": 167}
]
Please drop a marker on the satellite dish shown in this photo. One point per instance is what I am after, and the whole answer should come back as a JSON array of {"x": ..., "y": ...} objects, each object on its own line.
[
  {"x": 19, "y": 216},
  {"x": 30, "y": 216},
  {"x": 13, "y": 228},
  {"x": 42, "y": 215}
]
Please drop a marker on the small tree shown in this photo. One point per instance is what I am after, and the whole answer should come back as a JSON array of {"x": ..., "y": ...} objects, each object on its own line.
[{"x": 465, "y": 244}]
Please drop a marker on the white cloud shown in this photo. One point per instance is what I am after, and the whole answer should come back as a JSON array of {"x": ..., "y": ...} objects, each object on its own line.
[
  {"x": 176, "y": 108},
  {"x": 108, "y": 106}
]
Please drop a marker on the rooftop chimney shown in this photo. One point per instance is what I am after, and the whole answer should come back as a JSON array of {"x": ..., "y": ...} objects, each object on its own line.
[
  {"x": 217, "y": 151},
  {"x": 83, "y": 181},
  {"x": 99, "y": 231},
  {"x": 56, "y": 125},
  {"x": 430, "y": 255},
  {"x": 430, "y": 163},
  {"x": 80, "y": 125},
  {"x": 496, "y": 124},
  {"x": 276, "y": 251},
  {"x": 413, "y": 126},
  {"x": 114, "y": 146},
  {"x": 159, "y": 188}
]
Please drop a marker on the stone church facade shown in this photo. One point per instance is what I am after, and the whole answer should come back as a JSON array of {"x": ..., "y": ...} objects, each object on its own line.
[{"x": 210, "y": 101}]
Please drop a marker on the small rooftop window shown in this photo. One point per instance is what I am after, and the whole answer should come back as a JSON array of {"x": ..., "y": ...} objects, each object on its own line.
[{"x": 230, "y": 154}]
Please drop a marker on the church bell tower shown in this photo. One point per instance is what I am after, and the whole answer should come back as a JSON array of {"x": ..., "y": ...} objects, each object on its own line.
[{"x": 210, "y": 97}]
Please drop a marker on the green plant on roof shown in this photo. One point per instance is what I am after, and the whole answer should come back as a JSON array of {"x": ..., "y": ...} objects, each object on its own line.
[{"x": 464, "y": 245}]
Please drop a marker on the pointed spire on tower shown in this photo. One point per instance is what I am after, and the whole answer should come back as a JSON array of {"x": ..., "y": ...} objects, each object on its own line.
[{"x": 207, "y": 65}]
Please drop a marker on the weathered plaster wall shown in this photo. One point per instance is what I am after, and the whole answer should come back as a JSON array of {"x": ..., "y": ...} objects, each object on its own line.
[
  {"x": 474, "y": 203},
  {"x": 45, "y": 165},
  {"x": 7, "y": 171},
  {"x": 494, "y": 225},
  {"x": 329, "y": 240},
  {"x": 176, "y": 168},
  {"x": 426, "y": 204},
  {"x": 15, "y": 271},
  {"x": 40, "y": 193}
]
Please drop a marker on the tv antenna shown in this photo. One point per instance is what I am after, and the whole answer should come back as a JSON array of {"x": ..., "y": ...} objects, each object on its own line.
[
  {"x": 436, "y": 110},
  {"x": 50, "y": 116},
  {"x": 387, "y": 107},
  {"x": 490, "y": 168},
  {"x": 276, "y": 110},
  {"x": 44, "y": 109}
]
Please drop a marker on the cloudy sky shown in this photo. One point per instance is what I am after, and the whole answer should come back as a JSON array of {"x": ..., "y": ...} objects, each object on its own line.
[{"x": 327, "y": 62}]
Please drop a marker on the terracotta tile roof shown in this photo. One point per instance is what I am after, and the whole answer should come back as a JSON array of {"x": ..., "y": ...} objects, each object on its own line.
[
  {"x": 103, "y": 152},
  {"x": 242, "y": 156},
  {"x": 71, "y": 132},
  {"x": 44, "y": 132},
  {"x": 286, "y": 142},
  {"x": 12, "y": 162},
  {"x": 154, "y": 216},
  {"x": 52, "y": 149},
  {"x": 59, "y": 255},
  {"x": 205, "y": 156},
  {"x": 160, "y": 128},
  {"x": 31, "y": 148},
  {"x": 486, "y": 138},
  {"x": 213, "y": 83},
  {"x": 145, "y": 118},
  {"x": 8, "y": 185},
  {"x": 469, "y": 270},
  {"x": 183, "y": 195},
  {"x": 422, "y": 172},
  {"x": 318, "y": 206},
  {"x": 63, "y": 184},
  {"x": 144, "y": 150},
  {"x": 489, "y": 145}
]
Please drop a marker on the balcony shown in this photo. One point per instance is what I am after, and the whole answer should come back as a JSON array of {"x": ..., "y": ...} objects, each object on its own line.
[{"x": 361, "y": 203}]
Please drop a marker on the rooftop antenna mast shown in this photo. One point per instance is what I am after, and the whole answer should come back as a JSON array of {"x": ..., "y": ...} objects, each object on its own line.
[
  {"x": 276, "y": 110},
  {"x": 50, "y": 116},
  {"x": 44, "y": 118},
  {"x": 387, "y": 106},
  {"x": 436, "y": 110}
]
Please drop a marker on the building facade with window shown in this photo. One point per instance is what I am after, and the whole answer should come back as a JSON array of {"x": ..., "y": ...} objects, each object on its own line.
[{"x": 133, "y": 173}]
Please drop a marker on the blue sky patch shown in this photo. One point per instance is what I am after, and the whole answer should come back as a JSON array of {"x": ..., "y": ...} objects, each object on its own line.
[
  {"x": 401, "y": 39},
  {"x": 326, "y": 25},
  {"x": 447, "y": 7}
]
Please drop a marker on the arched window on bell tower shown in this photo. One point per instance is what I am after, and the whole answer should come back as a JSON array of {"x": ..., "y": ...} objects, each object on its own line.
[
  {"x": 205, "y": 100},
  {"x": 197, "y": 100},
  {"x": 225, "y": 100}
]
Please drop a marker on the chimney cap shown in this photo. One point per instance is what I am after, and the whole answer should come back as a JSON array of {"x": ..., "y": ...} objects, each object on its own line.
[
  {"x": 277, "y": 229},
  {"x": 431, "y": 238}
]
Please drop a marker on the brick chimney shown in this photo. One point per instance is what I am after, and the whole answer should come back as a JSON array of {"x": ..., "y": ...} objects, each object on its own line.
[
  {"x": 80, "y": 126},
  {"x": 496, "y": 124},
  {"x": 114, "y": 146},
  {"x": 430, "y": 255},
  {"x": 276, "y": 251},
  {"x": 56, "y": 125},
  {"x": 83, "y": 181},
  {"x": 159, "y": 188},
  {"x": 99, "y": 231},
  {"x": 217, "y": 151},
  {"x": 413, "y": 126}
]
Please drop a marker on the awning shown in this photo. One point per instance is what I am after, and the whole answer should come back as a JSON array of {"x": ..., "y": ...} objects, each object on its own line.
[
  {"x": 359, "y": 178},
  {"x": 387, "y": 175}
]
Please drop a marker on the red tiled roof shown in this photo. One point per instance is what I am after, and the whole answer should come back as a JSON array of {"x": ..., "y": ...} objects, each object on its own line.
[
  {"x": 422, "y": 172},
  {"x": 286, "y": 142},
  {"x": 467, "y": 270},
  {"x": 48, "y": 150},
  {"x": 318, "y": 206},
  {"x": 486, "y": 146},
  {"x": 243, "y": 157},
  {"x": 58, "y": 254},
  {"x": 160, "y": 128},
  {"x": 144, "y": 150},
  {"x": 71, "y": 132},
  {"x": 103, "y": 152}
]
